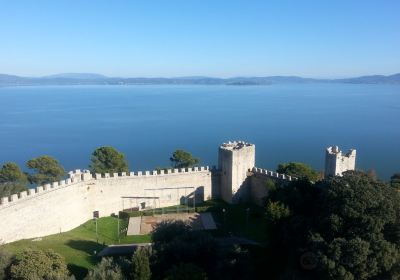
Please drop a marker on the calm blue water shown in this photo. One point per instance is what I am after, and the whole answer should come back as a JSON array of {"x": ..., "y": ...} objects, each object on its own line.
[{"x": 147, "y": 123}]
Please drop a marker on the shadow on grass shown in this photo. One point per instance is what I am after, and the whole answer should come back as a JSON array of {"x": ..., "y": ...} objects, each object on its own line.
[
  {"x": 78, "y": 271},
  {"x": 89, "y": 247}
]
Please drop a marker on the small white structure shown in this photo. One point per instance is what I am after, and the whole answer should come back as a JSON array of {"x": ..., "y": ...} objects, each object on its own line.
[{"x": 336, "y": 162}]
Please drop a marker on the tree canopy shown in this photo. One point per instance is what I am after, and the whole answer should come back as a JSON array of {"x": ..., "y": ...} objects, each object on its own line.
[
  {"x": 182, "y": 159},
  {"x": 108, "y": 160},
  {"x": 6, "y": 259},
  {"x": 141, "y": 264},
  {"x": 299, "y": 170},
  {"x": 12, "y": 179},
  {"x": 106, "y": 269},
  {"x": 10, "y": 172},
  {"x": 184, "y": 271},
  {"x": 37, "y": 264},
  {"x": 339, "y": 228},
  {"x": 47, "y": 170},
  {"x": 395, "y": 181}
]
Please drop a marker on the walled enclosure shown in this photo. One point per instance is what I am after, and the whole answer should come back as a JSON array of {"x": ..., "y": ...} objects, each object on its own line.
[{"x": 62, "y": 206}]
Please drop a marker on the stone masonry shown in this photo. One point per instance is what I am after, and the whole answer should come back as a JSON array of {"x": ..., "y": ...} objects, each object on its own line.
[{"x": 64, "y": 205}]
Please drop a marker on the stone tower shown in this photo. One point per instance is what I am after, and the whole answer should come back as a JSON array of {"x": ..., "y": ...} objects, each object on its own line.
[
  {"x": 235, "y": 159},
  {"x": 336, "y": 163}
]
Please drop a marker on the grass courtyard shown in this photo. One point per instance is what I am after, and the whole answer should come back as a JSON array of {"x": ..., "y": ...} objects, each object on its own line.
[{"x": 79, "y": 246}]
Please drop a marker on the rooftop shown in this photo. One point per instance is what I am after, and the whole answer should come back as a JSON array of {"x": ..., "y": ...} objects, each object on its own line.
[{"x": 235, "y": 145}]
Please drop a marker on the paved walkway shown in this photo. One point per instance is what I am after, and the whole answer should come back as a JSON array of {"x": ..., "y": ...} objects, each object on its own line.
[
  {"x": 134, "y": 226},
  {"x": 207, "y": 221}
]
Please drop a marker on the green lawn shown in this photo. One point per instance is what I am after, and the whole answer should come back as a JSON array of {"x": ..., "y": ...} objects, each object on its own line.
[
  {"x": 79, "y": 245},
  {"x": 237, "y": 220}
]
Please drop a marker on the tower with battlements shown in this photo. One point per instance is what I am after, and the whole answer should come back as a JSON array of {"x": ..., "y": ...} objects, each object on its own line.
[
  {"x": 61, "y": 206},
  {"x": 235, "y": 160},
  {"x": 336, "y": 162}
]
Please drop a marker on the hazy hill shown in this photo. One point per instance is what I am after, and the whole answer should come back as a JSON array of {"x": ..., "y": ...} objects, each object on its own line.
[{"x": 97, "y": 79}]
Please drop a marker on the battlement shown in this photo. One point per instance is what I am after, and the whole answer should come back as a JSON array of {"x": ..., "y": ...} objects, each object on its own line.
[
  {"x": 273, "y": 174},
  {"x": 334, "y": 150},
  {"x": 336, "y": 162},
  {"x": 161, "y": 172},
  {"x": 39, "y": 190},
  {"x": 78, "y": 176},
  {"x": 235, "y": 145}
]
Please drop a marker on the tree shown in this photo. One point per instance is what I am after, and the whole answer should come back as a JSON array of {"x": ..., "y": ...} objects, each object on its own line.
[
  {"x": 276, "y": 210},
  {"x": 47, "y": 169},
  {"x": 141, "y": 264},
  {"x": 105, "y": 270},
  {"x": 395, "y": 181},
  {"x": 37, "y": 264},
  {"x": 340, "y": 228},
  {"x": 184, "y": 271},
  {"x": 182, "y": 159},
  {"x": 7, "y": 189},
  {"x": 174, "y": 242},
  {"x": 11, "y": 173},
  {"x": 108, "y": 160},
  {"x": 299, "y": 170},
  {"x": 6, "y": 260},
  {"x": 12, "y": 179}
]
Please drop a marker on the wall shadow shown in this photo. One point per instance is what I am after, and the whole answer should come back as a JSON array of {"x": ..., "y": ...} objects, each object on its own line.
[
  {"x": 197, "y": 195},
  {"x": 89, "y": 247},
  {"x": 243, "y": 193}
]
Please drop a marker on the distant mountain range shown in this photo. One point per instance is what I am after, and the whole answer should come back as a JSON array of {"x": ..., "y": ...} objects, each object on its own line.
[{"x": 97, "y": 79}]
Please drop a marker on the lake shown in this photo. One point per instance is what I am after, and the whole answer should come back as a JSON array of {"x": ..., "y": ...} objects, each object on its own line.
[{"x": 286, "y": 123}]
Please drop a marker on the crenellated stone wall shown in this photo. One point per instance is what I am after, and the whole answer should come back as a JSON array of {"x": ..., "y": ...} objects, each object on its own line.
[
  {"x": 258, "y": 182},
  {"x": 64, "y": 205}
]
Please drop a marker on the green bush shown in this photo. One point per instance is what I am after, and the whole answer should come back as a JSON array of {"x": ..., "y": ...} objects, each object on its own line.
[{"x": 38, "y": 264}]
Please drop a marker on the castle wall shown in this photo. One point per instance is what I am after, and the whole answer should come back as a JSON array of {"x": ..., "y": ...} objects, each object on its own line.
[
  {"x": 64, "y": 205},
  {"x": 258, "y": 183}
]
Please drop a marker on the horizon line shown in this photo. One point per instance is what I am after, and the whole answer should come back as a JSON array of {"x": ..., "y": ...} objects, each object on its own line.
[{"x": 54, "y": 75}]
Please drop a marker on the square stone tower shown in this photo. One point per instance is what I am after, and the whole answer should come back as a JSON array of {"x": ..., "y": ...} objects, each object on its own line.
[
  {"x": 336, "y": 163},
  {"x": 235, "y": 159}
]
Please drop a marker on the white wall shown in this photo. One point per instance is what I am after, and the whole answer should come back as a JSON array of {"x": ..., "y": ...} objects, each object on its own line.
[{"x": 63, "y": 206}]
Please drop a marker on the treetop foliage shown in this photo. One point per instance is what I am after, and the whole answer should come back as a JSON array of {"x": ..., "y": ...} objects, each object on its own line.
[
  {"x": 12, "y": 179},
  {"x": 395, "y": 181},
  {"x": 299, "y": 170},
  {"x": 141, "y": 264},
  {"x": 182, "y": 159},
  {"x": 184, "y": 271},
  {"x": 11, "y": 173},
  {"x": 6, "y": 259},
  {"x": 108, "y": 160},
  {"x": 47, "y": 170},
  {"x": 37, "y": 264},
  {"x": 107, "y": 269},
  {"x": 346, "y": 227}
]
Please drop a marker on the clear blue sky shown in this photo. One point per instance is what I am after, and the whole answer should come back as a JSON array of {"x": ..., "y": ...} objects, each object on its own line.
[{"x": 331, "y": 38}]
